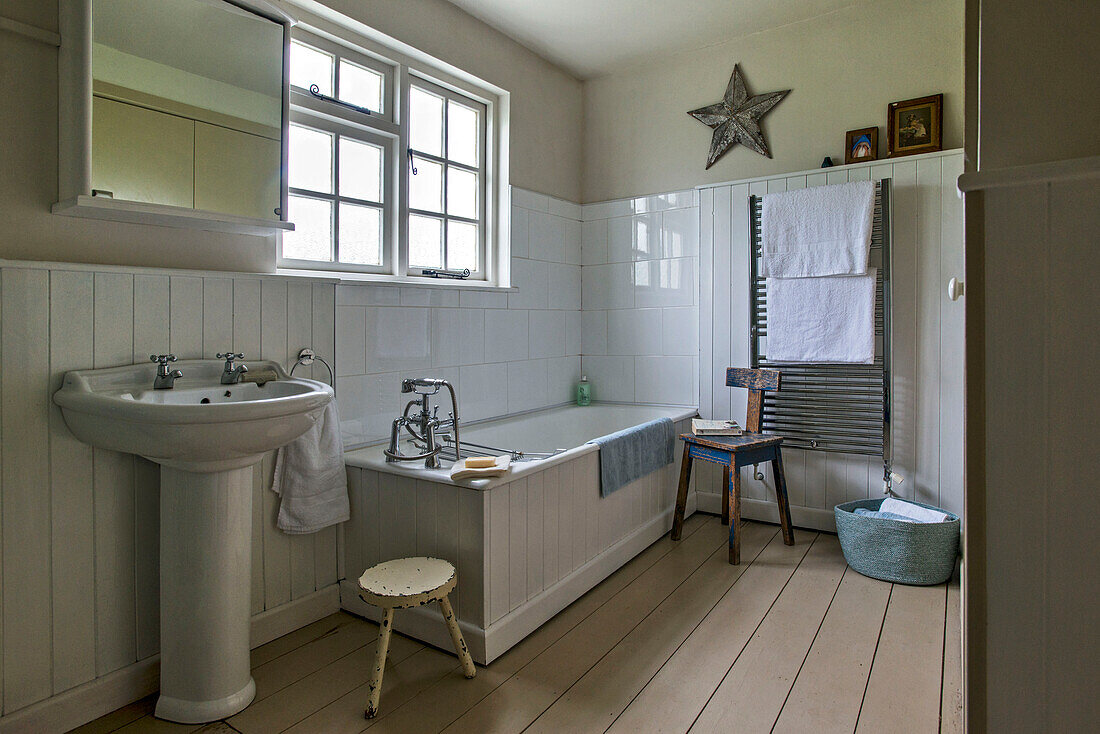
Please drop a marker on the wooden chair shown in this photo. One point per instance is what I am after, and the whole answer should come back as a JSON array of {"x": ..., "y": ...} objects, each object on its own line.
[{"x": 734, "y": 452}]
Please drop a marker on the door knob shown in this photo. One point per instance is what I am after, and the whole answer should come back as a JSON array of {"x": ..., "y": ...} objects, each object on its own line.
[{"x": 955, "y": 288}]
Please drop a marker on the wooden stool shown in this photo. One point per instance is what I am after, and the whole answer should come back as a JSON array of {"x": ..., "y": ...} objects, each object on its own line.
[
  {"x": 400, "y": 584},
  {"x": 734, "y": 452}
]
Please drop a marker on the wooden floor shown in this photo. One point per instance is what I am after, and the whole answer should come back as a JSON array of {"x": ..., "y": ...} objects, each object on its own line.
[{"x": 792, "y": 640}]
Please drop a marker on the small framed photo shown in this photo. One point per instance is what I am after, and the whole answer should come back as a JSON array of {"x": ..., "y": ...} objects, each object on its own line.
[
  {"x": 914, "y": 126},
  {"x": 861, "y": 145}
]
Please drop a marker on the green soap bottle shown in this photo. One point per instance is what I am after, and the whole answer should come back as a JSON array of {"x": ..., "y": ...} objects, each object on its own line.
[{"x": 584, "y": 391}]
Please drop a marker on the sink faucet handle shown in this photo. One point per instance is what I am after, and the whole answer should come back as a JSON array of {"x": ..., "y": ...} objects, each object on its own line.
[
  {"x": 162, "y": 358},
  {"x": 230, "y": 356}
]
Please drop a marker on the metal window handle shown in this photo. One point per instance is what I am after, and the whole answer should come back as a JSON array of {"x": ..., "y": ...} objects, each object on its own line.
[{"x": 955, "y": 289}]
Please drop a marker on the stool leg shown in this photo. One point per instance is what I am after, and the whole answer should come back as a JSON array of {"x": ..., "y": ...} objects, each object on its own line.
[
  {"x": 734, "y": 506},
  {"x": 468, "y": 668},
  {"x": 682, "y": 495},
  {"x": 726, "y": 496},
  {"x": 384, "y": 629},
  {"x": 781, "y": 497}
]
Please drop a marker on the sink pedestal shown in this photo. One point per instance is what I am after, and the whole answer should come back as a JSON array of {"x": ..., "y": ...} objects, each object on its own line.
[{"x": 205, "y": 594}]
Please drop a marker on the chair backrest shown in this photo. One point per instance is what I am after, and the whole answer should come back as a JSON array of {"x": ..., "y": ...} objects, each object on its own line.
[{"x": 757, "y": 381}]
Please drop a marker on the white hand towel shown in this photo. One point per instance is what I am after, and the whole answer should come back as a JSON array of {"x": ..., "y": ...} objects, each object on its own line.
[
  {"x": 311, "y": 479},
  {"x": 912, "y": 511},
  {"x": 821, "y": 319},
  {"x": 823, "y": 230}
]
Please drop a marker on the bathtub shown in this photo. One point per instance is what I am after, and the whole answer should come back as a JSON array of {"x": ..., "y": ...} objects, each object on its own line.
[{"x": 526, "y": 545}]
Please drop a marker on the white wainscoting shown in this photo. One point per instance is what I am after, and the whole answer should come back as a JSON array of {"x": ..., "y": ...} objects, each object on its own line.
[
  {"x": 80, "y": 525},
  {"x": 524, "y": 550},
  {"x": 927, "y": 381}
]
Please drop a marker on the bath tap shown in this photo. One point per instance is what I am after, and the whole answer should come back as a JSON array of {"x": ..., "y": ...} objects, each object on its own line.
[
  {"x": 165, "y": 379},
  {"x": 426, "y": 423},
  {"x": 232, "y": 375}
]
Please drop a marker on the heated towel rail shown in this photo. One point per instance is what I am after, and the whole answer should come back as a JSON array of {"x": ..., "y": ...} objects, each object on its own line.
[{"x": 841, "y": 408}]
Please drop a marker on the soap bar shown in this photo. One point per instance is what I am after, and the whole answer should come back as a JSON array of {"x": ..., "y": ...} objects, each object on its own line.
[{"x": 480, "y": 462}]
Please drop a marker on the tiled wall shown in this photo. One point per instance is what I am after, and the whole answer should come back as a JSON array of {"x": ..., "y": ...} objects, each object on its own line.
[
  {"x": 506, "y": 352},
  {"x": 640, "y": 322}
]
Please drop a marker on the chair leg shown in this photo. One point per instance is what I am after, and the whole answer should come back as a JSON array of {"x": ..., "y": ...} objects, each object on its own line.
[
  {"x": 682, "y": 494},
  {"x": 781, "y": 497},
  {"x": 375, "y": 683},
  {"x": 733, "y": 504},
  {"x": 468, "y": 668},
  {"x": 726, "y": 496}
]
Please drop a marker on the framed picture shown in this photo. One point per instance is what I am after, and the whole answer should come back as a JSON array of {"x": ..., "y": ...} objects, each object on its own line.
[
  {"x": 914, "y": 126},
  {"x": 861, "y": 145}
]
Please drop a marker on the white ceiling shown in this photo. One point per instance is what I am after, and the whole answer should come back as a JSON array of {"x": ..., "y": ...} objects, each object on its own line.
[{"x": 591, "y": 38}]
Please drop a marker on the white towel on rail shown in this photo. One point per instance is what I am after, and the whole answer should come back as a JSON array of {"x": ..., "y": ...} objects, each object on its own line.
[
  {"x": 311, "y": 479},
  {"x": 821, "y": 319},
  {"x": 823, "y": 230}
]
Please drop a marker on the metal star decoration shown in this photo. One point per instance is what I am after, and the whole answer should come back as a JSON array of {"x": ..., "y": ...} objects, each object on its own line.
[{"x": 736, "y": 119}]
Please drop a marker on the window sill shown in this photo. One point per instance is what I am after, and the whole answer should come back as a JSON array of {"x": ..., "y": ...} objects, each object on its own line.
[{"x": 394, "y": 281}]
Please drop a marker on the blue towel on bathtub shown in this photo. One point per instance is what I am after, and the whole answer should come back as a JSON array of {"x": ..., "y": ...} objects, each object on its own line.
[{"x": 634, "y": 452}]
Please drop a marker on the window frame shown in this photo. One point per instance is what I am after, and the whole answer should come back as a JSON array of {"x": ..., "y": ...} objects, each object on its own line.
[
  {"x": 416, "y": 80},
  {"x": 403, "y": 66}
]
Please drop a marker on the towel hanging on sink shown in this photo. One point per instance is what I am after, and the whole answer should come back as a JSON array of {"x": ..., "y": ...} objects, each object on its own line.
[{"x": 311, "y": 479}]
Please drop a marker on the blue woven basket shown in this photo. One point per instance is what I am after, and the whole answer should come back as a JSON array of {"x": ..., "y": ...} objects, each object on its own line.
[{"x": 921, "y": 554}]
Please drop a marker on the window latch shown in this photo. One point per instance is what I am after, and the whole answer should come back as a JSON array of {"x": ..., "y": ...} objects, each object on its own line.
[
  {"x": 412, "y": 162},
  {"x": 316, "y": 92}
]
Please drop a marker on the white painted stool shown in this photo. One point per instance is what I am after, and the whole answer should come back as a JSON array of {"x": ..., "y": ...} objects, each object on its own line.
[{"x": 400, "y": 584}]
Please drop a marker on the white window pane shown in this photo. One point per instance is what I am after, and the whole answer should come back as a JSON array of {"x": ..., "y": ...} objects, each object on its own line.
[
  {"x": 312, "y": 235},
  {"x": 310, "y": 66},
  {"x": 425, "y": 122},
  {"x": 426, "y": 187},
  {"x": 360, "y": 86},
  {"x": 310, "y": 159},
  {"x": 462, "y": 134},
  {"x": 462, "y": 246},
  {"x": 425, "y": 242},
  {"x": 360, "y": 170},
  {"x": 461, "y": 193},
  {"x": 360, "y": 234}
]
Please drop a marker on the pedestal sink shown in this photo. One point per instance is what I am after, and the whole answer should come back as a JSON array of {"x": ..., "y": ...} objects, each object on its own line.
[{"x": 205, "y": 436}]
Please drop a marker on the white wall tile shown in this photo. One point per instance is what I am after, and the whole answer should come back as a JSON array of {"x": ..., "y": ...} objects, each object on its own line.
[
  {"x": 506, "y": 335},
  {"x": 458, "y": 336},
  {"x": 680, "y": 233},
  {"x": 547, "y": 237},
  {"x": 484, "y": 391},
  {"x": 527, "y": 389},
  {"x": 531, "y": 277},
  {"x": 594, "y": 242},
  {"x": 668, "y": 380},
  {"x": 351, "y": 327},
  {"x": 441, "y": 297},
  {"x": 612, "y": 378},
  {"x": 483, "y": 299},
  {"x": 669, "y": 282},
  {"x": 646, "y": 234},
  {"x": 566, "y": 209},
  {"x": 572, "y": 242},
  {"x": 564, "y": 286},
  {"x": 680, "y": 331},
  {"x": 547, "y": 331},
  {"x": 520, "y": 232},
  {"x": 620, "y": 239},
  {"x": 572, "y": 332},
  {"x": 398, "y": 338},
  {"x": 634, "y": 331},
  {"x": 607, "y": 286},
  {"x": 530, "y": 200},
  {"x": 563, "y": 374},
  {"x": 593, "y": 332}
]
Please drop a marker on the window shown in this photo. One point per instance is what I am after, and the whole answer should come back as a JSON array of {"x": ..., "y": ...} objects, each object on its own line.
[{"x": 388, "y": 169}]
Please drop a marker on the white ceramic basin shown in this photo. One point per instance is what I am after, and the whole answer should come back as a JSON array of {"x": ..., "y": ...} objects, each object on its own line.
[
  {"x": 199, "y": 425},
  {"x": 206, "y": 436}
]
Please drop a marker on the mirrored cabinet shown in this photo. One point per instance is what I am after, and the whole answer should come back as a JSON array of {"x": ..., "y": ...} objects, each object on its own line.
[{"x": 175, "y": 113}]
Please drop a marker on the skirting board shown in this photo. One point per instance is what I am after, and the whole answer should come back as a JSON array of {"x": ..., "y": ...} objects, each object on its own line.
[
  {"x": 485, "y": 645},
  {"x": 103, "y": 695},
  {"x": 803, "y": 517}
]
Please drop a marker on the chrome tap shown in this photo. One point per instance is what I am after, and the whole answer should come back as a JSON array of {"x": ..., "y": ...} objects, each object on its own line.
[
  {"x": 165, "y": 379},
  {"x": 424, "y": 424},
  {"x": 232, "y": 375}
]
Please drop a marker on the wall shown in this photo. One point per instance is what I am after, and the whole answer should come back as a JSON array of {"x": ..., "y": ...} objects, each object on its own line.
[
  {"x": 79, "y": 543},
  {"x": 927, "y": 339},
  {"x": 504, "y": 352},
  {"x": 639, "y": 324},
  {"x": 843, "y": 67},
  {"x": 545, "y": 107}
]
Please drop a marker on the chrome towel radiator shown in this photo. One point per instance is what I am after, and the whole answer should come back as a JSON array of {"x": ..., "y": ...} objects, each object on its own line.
[{"x": 841, "y": 408}]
